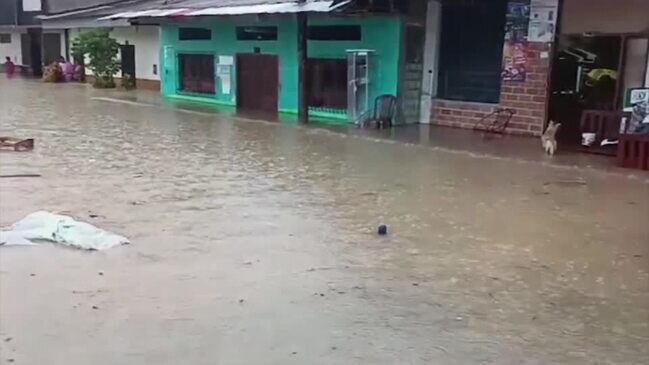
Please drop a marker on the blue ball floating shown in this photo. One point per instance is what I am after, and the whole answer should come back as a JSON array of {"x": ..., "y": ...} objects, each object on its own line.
[{"x": 383, "y": 230}]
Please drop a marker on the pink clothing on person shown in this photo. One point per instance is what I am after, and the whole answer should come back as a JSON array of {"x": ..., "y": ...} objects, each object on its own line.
[{"x": 10, "y": 68}]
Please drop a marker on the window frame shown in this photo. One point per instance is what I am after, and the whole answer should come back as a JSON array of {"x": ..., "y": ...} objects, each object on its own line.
[
  {"x": 337, "y": 33},
  {"x": 240, "y": 31},
  {"x": 326, "y": 93},
  {"x": 180, "y": 62},
  {"x": 206, "y": 34},
  {"x": 464, "y": 82}
]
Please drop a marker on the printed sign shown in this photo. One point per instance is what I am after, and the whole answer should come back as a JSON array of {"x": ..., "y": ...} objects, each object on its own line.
[
  {"x": 639, "y": 96},
  {"x": 635, "y": 96},
  {"x": 543, "y": 20},
  {"x": 223, "y": 72},
  {"x": 226, "y": 60},
  {"x": 515, "y": 48}
]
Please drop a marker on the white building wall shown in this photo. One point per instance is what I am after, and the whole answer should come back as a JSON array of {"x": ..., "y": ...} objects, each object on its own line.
[
  {"x": 146, "y": 42},
  {"x": 12, "y": 49},
  {"x": 32, "y": 5},
  {"x": 431, "y": 60}
]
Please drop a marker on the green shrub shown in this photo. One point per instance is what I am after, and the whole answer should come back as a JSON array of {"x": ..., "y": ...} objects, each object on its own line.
[{"x": 100, "y": 52}]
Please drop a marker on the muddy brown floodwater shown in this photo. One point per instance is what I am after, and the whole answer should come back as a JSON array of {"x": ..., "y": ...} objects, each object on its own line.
[{"x": 254, "y": 243}]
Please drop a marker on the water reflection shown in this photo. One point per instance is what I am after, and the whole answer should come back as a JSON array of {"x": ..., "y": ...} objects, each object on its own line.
[{"x": 487, "y": 260}]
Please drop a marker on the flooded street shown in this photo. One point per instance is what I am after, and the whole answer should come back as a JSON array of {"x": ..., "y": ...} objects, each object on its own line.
[{"x": 255, "y": 243}]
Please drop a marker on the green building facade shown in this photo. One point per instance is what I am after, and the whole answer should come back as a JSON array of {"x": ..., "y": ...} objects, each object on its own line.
[{"x": 221, "y": 40}]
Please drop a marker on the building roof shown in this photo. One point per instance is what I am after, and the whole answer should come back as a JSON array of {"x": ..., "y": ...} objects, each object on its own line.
[
  {"x": 225, "y": 7},
  {"x": 64, "y": 6},
  {"x": 124, "y": 10},
  {"x": 101, "y": 10}
]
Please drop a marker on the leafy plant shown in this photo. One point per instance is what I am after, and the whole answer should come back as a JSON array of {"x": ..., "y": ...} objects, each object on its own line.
[
  {"x": 128, "y": 82},
  {"x": 100, "y": 52}
]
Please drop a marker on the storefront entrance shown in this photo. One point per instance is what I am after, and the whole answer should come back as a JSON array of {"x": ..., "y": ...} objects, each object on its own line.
[
  {"x": 127, "y": 57},
  {"x": 584, "y": 76},
  {"x": 594, "y": 73},
  {"x": 257, "y": 83},
  {"x": 601, "y": 54}
]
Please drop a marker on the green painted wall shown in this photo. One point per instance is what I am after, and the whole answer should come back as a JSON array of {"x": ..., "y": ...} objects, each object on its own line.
[{"x": 381, "y": 34}]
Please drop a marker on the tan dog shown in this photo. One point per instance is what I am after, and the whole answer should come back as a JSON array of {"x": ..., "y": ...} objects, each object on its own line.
[{"x": 549, "y": 140}]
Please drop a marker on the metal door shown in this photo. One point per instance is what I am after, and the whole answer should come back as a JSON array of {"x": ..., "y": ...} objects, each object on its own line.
[{"x": 127, "y": 54}]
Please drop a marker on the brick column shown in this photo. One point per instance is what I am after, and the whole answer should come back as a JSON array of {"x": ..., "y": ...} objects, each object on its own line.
[{"x": 529, "y": 99}]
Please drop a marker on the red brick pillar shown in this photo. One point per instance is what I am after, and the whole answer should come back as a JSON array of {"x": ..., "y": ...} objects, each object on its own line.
[{"x": 529, "y": 99}]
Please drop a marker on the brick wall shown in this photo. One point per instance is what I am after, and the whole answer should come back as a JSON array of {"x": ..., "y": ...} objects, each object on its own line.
[{"x": 528, "y": 99}]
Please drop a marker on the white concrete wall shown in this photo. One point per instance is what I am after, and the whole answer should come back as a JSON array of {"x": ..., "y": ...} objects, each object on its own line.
[
  {"x": 604, "y": 16},
  {"x": 12, "y": 49},
  {"x": 146, "y": 42},
  {"x": 431, "y": 60},
  {"x": 32, "y": 5}
]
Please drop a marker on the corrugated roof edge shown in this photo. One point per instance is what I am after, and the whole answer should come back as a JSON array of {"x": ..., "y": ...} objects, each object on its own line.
[
  {"x": 286, "y": 6},
  {"x": 100, "y": 10}
]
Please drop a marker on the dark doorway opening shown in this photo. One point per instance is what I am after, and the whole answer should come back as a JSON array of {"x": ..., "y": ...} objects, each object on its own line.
[
  {"x": 51, "y": 48},
  {"x": 127, "y": 53},
  {"x": 258, "y": 84},
  {"x": 584, "y": 76},
  {"x": 30, "y": 44}
]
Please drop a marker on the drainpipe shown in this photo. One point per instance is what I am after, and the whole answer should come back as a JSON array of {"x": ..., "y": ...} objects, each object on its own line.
[
  {"x": 303, "y": 100},
  {"x": 16, "y": 12}
]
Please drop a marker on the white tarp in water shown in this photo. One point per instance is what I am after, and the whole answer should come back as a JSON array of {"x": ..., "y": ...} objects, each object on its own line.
[{"x": 48, "y": 227}]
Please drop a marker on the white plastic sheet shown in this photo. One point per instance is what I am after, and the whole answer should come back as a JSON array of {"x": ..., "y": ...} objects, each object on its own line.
[{"x": 44, "y": 226}]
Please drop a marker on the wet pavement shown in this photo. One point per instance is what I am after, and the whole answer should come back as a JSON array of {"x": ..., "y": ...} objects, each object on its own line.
[{"x": 254, "y": 243}]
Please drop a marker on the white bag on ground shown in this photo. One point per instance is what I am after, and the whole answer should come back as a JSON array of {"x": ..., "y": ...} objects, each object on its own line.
[{"x": 45, "y": 226}]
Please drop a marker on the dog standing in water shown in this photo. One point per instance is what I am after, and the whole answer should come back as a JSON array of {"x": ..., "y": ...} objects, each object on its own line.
[{"x": 549, "y": 140}]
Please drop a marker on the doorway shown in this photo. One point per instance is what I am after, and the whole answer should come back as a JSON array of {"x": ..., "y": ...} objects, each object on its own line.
[
  {"x": 584, "y": 76},
  {"x": 258, "y": 84},
  {"x": 127, "y": 53},
  {"x": 30, "y": 44},
  {"x": 51, "y": 47}
]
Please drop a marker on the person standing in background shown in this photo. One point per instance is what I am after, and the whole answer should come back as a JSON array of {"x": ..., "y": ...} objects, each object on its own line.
[{"x": 9, "y": 67}]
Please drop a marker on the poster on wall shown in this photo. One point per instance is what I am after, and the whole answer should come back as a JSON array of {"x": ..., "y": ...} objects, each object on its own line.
[
  {"x": 515, "y": 48},
  {"x": 635, "y": 96},
  {"x": 543, "y": 20},
  {"x": 223, "y": 72}
]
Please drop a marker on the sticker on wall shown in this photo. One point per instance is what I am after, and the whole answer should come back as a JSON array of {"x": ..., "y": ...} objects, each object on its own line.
[
  {"x": 543, "y": 20},
  {"x": 515, "y": 47},
  {"x": 226, "y": 60},
  {"x": 223, "y": 72},
  {"x": 635, "y": 96}
]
